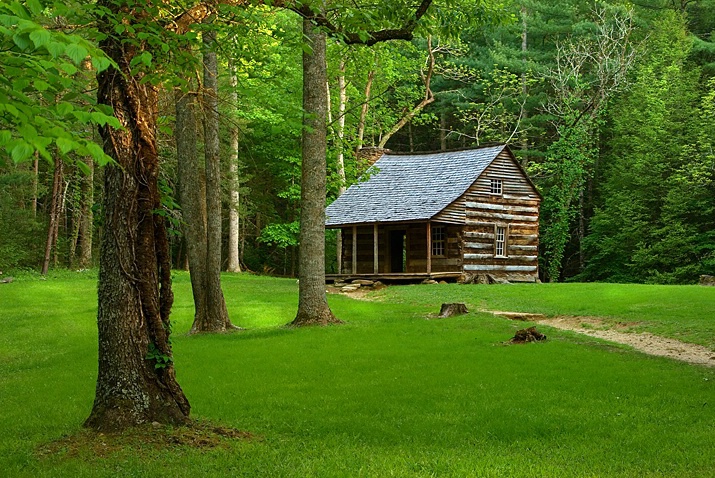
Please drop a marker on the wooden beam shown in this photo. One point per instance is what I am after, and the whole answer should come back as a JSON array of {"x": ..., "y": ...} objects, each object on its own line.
[
  {"x": 429, "y": 247},
  {"x": 375, "y": 251},
  {"x": 354, "y": 264}
]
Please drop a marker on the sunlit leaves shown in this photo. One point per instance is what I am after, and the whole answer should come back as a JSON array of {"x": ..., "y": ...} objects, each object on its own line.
[{"x": 43, "y": 75}]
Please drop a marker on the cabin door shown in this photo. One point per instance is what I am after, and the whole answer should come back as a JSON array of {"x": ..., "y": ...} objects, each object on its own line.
[{"x": 397, "y": 251}]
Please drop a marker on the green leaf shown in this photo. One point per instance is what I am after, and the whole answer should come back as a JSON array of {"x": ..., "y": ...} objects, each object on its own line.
[
  {"x": 22, "y": 151},
  {"x": 100, "y": 63},
  {"x": 68, "y": 68},
  {"x": 99, "y": 118},
  {"x": 146, "y": 58},
  {"x": 97, "y": 154},
  {"x": 40, "y": 37},
  {"x": 55, "y": 48},
  {"x": 5, "y": 137},
  {"x": 34, "y": 6},
  {"x": 64, "y": 108},
  {"x": 22, "y": 40},
  {"x": 77, "y": 53},
  {"x": 41, "y": 85},
  {"x": 65, "y": 145},
  {"x": 83, "y": 167}
]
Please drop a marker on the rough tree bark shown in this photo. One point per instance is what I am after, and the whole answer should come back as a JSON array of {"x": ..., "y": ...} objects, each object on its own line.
[
  {"x": 136, "y": 382},
  {"x": 312, "y": 302},
  {"x": 192, "y": 195}
]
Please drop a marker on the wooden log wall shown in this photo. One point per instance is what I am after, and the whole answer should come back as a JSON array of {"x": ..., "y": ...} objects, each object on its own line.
[
  {"x": 365, "y": 250},
  {"x": 417, "y": 250},
  {"x": 516, "y": 209}
]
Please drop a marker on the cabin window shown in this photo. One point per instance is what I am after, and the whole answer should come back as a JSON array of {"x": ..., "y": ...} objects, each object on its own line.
[
  {"x": 500, "y": 241},
  {"x": 496, "y": 186},
  {"x": 439, "y": 241}
]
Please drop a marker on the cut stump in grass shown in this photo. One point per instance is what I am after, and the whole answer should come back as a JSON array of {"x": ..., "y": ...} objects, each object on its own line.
[
  {"x": 449, "y": 310},
  {"x": 524, "y": 336}
]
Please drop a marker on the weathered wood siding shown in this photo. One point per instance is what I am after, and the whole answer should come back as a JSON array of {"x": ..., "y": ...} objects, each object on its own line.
[
  {"x": 365, "y": 250},
  {"x": 516, "y": 209}
]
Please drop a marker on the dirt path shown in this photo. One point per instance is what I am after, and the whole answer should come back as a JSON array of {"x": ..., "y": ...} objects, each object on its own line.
[{"x": 644, "y": 341}]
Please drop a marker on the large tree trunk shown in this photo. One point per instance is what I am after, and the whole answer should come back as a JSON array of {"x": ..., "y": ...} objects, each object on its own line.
[
  {"x": 136, "y": 382},
  {"x": 234, "y": 262},
  {"x": 312, "y": 302}
]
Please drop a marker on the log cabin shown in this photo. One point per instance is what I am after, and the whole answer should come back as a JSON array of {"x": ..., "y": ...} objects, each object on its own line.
[{"x": 448, "y": 215}]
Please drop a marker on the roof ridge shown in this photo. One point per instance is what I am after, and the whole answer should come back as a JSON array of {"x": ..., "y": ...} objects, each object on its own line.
[{"x": 455, "y": 150}]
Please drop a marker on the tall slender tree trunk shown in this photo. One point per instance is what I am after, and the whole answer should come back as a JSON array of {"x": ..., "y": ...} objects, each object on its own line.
[
  {"x": 234, "y": 263},
  {"x": 217, "y": 314},
  {"x": 192, "y": 195},
  {"x": 312, "y": 301},
  {"x": 342, "y": 106},
  {"x": 136, "y": 381},
  {"x": 200, "y": 197},
  {"x": 86, "y": 219},
  {"x": 55, "y": 209},
  {"x": 35, "y": 183}
]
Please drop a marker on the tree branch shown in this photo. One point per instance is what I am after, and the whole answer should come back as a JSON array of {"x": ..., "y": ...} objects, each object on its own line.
[{"x": 370, "y": 38}]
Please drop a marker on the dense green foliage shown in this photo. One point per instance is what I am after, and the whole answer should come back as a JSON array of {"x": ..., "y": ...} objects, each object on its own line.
[
  {"x": 620, "y": 145},
  {"x": 389, "y": 393}
]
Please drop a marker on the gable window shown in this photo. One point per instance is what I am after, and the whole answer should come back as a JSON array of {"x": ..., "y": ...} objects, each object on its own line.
[
  {"x": 500, "y": 241},
  {"x": 496, "y": 186},
  {"x": 439, "y": 241}
]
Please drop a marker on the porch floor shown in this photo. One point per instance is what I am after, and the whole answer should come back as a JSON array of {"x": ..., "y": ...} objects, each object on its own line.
[{"x": 395, "y": 276}]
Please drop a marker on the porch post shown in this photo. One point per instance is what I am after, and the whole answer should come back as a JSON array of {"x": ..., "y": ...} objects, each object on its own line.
[
  {"x": 429, "y": 247},
  {"x": 375, "y": 268},
  {"x": 354, "y": 250}
]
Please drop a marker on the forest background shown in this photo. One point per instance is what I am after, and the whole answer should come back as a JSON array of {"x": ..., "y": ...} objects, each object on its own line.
[{"x": 610, "y": 106}]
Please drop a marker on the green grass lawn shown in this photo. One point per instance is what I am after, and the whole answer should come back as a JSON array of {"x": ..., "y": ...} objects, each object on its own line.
[{"x": 387, "y": 394}]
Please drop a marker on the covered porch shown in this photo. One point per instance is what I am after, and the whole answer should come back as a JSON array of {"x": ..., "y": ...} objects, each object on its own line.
[{"x": 400, "y": 251}]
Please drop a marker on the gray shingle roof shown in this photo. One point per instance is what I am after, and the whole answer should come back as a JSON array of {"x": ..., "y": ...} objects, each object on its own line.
[{"x": 410, "y": 187}]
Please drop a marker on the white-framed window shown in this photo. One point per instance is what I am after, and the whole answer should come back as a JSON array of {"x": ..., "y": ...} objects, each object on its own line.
[
  {"x": 500, "y": 241},
  {"x": 439, "y": 241},
  {"x": 496, "y": 186}
]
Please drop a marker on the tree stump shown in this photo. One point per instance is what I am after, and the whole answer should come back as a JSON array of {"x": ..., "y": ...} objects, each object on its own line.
[
  {"x": 527, "y": 335},
  {"x": 707, "y": 280},
  {"x": 449, "y": 310}
]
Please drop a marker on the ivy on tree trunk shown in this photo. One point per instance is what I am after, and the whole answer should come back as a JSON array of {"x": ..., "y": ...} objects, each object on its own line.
[{"x": 136, "y": 382}]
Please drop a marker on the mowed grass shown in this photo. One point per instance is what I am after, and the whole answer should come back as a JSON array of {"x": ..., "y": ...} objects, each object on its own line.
[
  {"x": 387, "y": 394},
  {"x": 681, "y": 312}
]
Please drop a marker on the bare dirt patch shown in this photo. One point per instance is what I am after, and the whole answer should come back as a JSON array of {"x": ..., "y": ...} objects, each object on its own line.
[
  {"x": 148, "y": 438},
  {"x": 618, "y": 332},
  {"x": 363, "y": 293}
]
